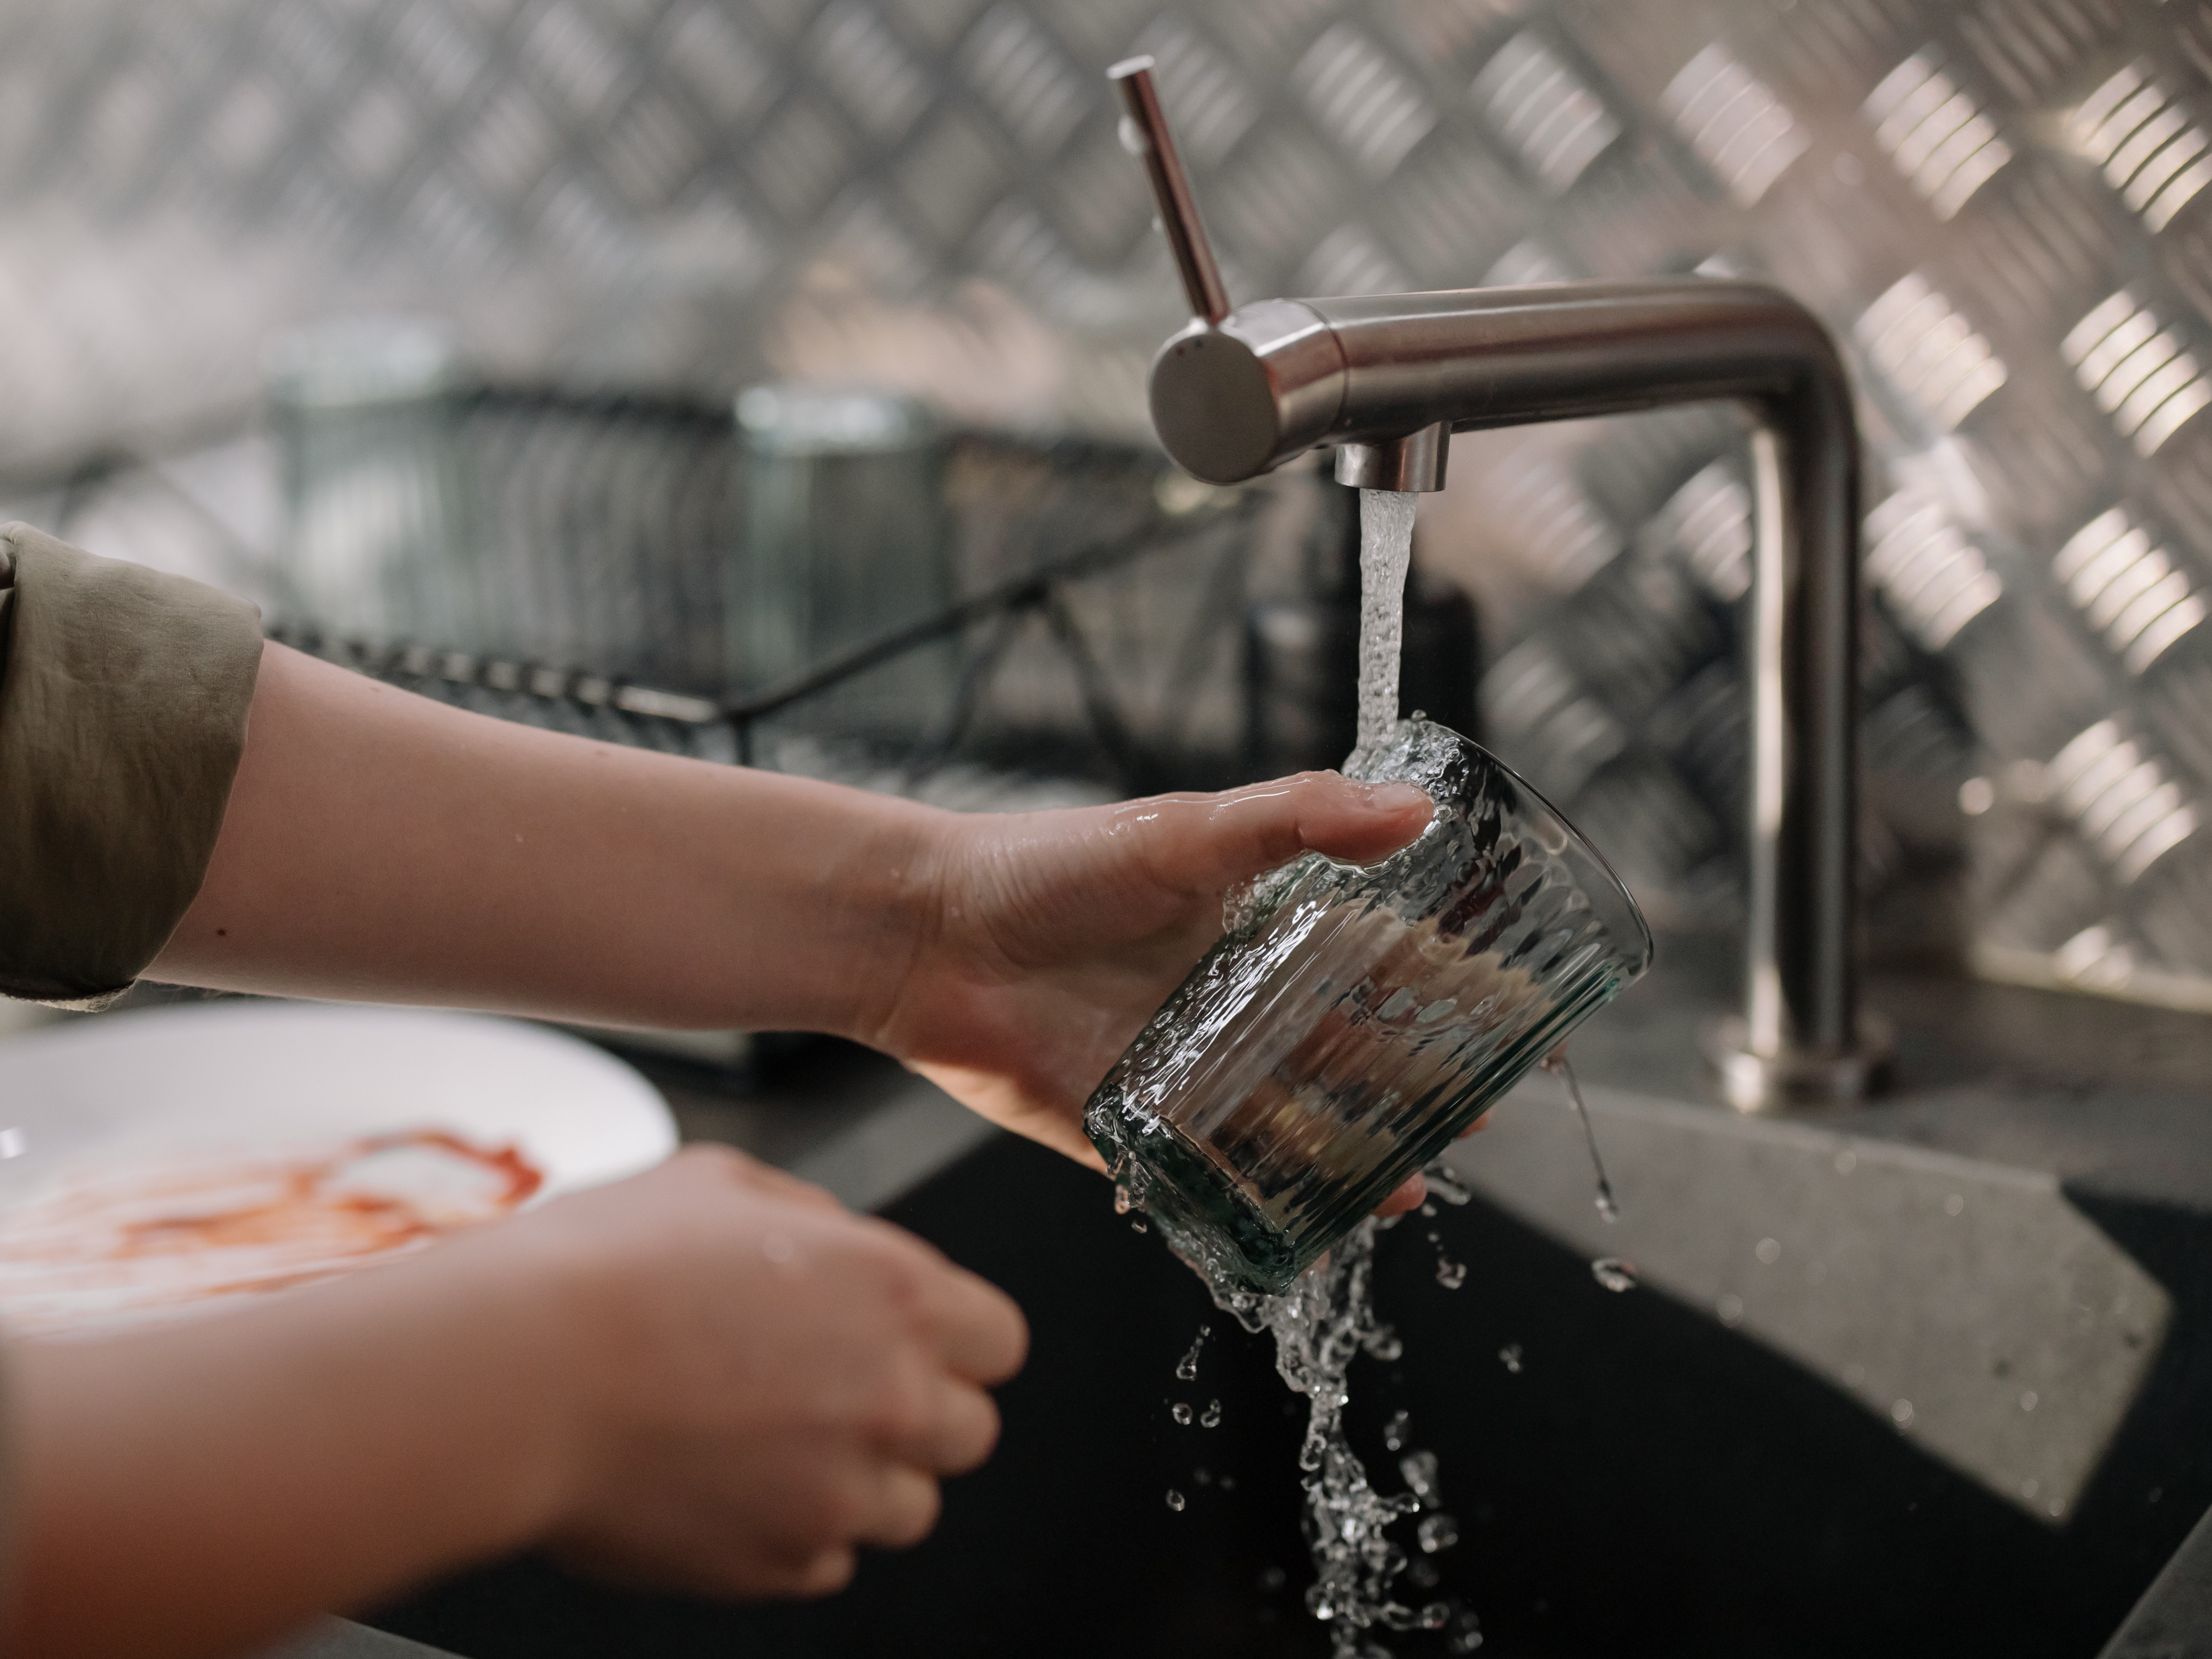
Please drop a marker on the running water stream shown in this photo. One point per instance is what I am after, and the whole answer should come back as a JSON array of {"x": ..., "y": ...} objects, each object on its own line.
[
  {"x": 1386, "y": 550},
  {"x": 1327, "y": 1318}
]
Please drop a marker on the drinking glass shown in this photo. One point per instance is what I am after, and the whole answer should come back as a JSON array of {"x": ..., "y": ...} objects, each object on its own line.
[
  {"x": 846, "y": 539},
  {"x": 1354, "y": 1018}
]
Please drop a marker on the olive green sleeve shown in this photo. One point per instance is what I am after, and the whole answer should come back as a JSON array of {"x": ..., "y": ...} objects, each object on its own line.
[{"x": 123, "y": 695}]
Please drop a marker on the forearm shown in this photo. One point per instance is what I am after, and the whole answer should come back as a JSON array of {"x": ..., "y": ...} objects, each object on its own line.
[
  {"x": 195, "y": 1489},
  {"x": 381, "y": 847}
]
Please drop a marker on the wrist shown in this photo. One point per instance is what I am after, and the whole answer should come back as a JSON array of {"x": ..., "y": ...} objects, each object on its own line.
[{"x": 911, "y": 887}]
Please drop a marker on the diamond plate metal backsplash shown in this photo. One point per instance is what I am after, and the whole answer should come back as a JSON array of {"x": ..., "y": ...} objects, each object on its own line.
[{"x": 2001, "y": 208}]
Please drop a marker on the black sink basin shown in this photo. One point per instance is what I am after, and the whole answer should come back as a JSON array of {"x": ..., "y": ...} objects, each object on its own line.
[{"x": 1649, "y": 1481}]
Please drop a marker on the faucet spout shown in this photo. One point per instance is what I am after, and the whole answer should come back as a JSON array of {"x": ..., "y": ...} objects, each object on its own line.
[{"x": 1389, "y": 377}]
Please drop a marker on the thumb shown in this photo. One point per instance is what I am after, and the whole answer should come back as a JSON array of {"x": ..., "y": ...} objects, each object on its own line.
[{"x": 1210, "y": 842}]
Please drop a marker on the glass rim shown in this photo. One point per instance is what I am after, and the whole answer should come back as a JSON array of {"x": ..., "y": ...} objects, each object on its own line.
[{"x": 1635, "y": 910}]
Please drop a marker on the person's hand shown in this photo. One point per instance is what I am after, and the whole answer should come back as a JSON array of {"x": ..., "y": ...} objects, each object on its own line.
[
  {"x": 767, "y": 1380},
  {"x": 708, "y": 1376},
  {"x": 1055, "y": 935}
]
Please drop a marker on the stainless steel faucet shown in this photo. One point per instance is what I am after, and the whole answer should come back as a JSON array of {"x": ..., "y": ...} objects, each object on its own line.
[{"x": 1387, "y": 380}]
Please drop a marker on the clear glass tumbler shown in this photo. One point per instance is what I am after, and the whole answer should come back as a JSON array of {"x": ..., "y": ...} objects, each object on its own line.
[{"x": 1355, "y": 1018}]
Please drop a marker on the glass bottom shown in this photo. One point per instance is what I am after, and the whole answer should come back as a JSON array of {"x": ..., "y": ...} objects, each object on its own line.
[{"x": 1204, "y": 1215}]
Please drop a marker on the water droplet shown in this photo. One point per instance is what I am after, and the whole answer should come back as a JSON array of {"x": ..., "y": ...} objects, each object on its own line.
[
  {"x": 1449, "y": 1273},
  {"x": 1228, "y": 1483},
  {"x": 1181, "y": 1413},
  {"x": 1272, "y": 1578},
  {"x": 1203, "y": 1475},
  {"x": 1768, "y": 1250},
  {"x": 1175, "y": 1500},
  {"x": 1428, "y": 1211},
  {"x": 1509, "y": 1357},
  {"x": 1558, "y": 1063},
  {"x": 1846, "y": 1161},
  {"x": 1211, "y": 1417},
  {"x": 1419, "y": 1469},
  {"x": 1186, "y": 1367},
  {"x": 1954, "y": 1205},
  {"x": 1613, "y": 1271},
  {"x": 2028, "y": 1400},
  {"x": 1434, "y": 1616},
  {"x": 1437, "y": 1532},
  {"x": 13, "y": 1143},
  {"x": 1121, "y": 1199},
  {"x": 1900, "y": 1413},
  {"x": 2057, "y": 1507},
  {"x": 1730, "y": 1309},
  {"x": 2156, "y": 1493},
  {"x": 1394, "y": 1431},
  {"x": 1447, "y": 1187},
  {"x": 1139, "y": 1227},
  {"x": 1466, "y": 1634},
  {"x": 2029, "y": 1487}
]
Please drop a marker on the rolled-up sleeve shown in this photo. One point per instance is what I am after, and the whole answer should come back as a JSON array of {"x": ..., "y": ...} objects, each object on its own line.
[{"x": 123, "y": 695}]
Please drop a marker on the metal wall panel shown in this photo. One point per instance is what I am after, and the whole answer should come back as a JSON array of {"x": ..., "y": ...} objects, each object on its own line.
[{"x": 2001, "y": 208}]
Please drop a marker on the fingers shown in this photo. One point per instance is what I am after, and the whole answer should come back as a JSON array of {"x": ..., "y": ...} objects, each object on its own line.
[
  {"x": 958, "y": 1427},
  {"x": 905, "y": 1507},
  {"x": 979, "y": 1332},
  {"x": 1212, "y": 842},
  {"x": 824, "y": 1575},
  {"x": 1411, "y": 1196}
]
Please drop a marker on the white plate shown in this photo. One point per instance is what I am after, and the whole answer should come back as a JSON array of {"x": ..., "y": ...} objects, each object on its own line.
[{"x": 145, "y": 1090}]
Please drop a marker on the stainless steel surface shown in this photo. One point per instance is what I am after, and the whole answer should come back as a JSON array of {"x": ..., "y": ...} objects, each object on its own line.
[
  {"x": 1415, "y": 462},
  {"x": 1392, "y": 375},
  {"x": 1144, "y": 135}
]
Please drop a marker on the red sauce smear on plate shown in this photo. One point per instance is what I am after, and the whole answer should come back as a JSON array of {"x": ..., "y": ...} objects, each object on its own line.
[{"x": 106, "y": 1248}]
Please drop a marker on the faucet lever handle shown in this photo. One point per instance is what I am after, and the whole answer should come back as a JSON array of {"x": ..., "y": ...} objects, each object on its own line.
[{"x": 1144, "y": 134}]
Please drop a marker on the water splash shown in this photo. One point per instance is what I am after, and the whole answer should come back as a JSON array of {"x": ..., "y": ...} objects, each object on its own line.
[
  {"x": 1449, "y": 1273},
  {"x": 1324, "y": 1322},
  {"x": 1436, "y": 1533},
  {"x": 1509, "y": 1357},
  {"x": 1419, "y": 1469},
  {"x": 1386, "y": 547},
  {"x": 1186, "y": 1367},
  {"x": 1615, "y": 1272},
  {"x": 1443, "y": 1184},
  {"x": 1559, "y": 1065}
]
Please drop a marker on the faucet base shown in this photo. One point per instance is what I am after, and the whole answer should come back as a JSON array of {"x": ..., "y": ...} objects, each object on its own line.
[{"x": 1795, "y": 1079}]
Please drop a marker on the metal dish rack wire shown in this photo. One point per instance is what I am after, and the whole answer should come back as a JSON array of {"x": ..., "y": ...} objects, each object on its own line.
[{"x": 1094, "y": 633}]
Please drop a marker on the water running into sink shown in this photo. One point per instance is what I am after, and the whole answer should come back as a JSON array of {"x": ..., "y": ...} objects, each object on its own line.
[
  {"x": 1559, "y": 1065},
  {"x": 1386, "y": 550},
  {"x": 1328, "y": 1317}
]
